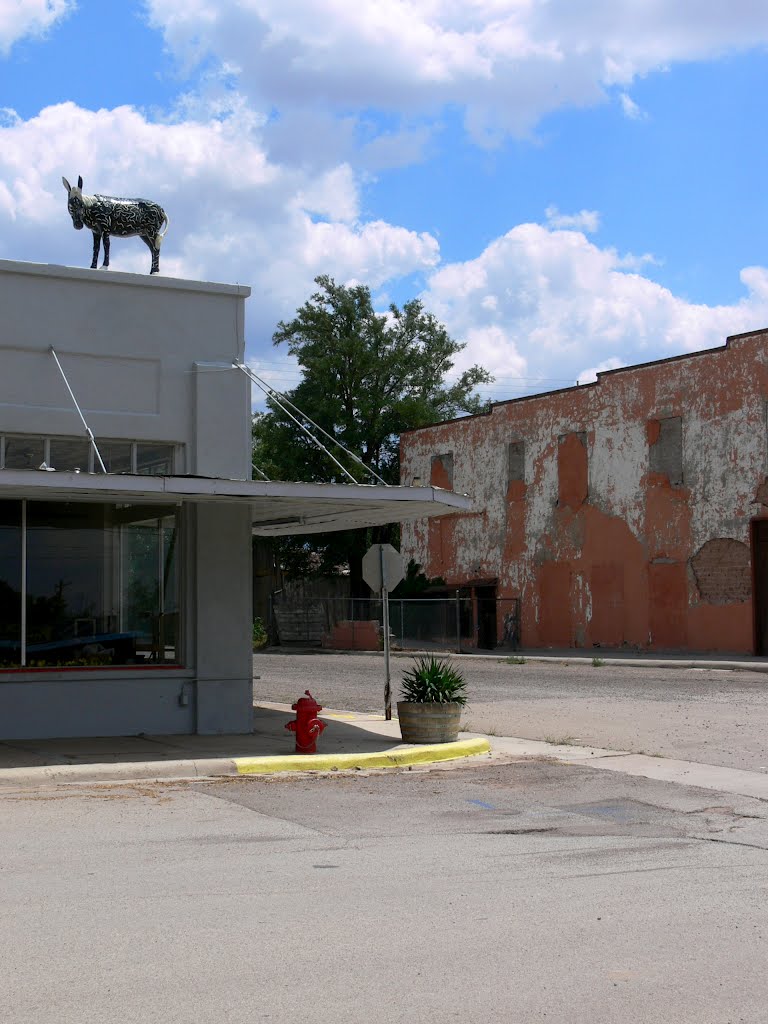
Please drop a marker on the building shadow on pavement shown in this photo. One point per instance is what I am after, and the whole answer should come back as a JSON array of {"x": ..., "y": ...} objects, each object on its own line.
[{"x": 343, "y": 734}]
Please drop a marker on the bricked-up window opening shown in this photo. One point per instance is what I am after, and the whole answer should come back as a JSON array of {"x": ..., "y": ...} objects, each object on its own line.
[
  {"x": 441, "y": 471},
  {"x": 516, "y": 461},
  {"x": 665, "y": 450},
  {"x": 723, "y": 571},
  {"x": 572, "y": 470}
]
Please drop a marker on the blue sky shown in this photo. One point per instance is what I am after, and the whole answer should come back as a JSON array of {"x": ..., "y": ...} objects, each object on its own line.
[{"x": 569, "y": 187}]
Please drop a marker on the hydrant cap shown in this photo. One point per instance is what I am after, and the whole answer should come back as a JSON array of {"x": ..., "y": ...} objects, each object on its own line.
[{"x": 307, "y": 703}]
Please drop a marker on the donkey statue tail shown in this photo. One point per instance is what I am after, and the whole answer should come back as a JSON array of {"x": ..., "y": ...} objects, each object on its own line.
[{"x": 161, "y": 234}]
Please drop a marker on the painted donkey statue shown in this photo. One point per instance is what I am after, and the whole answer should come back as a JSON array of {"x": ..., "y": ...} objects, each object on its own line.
[{"x": 107, "y": 215}]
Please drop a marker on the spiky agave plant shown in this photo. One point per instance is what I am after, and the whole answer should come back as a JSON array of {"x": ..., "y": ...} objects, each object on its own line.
[{"x": 433, "y": 681}]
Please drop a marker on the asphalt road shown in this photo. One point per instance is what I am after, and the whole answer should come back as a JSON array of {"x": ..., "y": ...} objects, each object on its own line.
[
  {"x": 713, "y": 716},
  {"x": 515, "y": 894}
]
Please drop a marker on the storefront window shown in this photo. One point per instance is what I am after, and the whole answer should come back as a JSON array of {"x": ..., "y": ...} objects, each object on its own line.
[
  {"x": 24, "y": 452},
  {"x": 117, "y": 456},
  {"x": 100, "y": 580},
  {"x": 154, "y": 459},
  {"x": 10, "y": 583},
  {"x": 69, "y": 454},
  {"x": 146, "y": 458}
]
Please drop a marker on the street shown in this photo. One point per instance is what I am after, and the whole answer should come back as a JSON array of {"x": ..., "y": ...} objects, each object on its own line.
[
  {"x": 709, "y": 715},
  {"x": 476, "y": 890},
  {"x": 502, "y": 893}
]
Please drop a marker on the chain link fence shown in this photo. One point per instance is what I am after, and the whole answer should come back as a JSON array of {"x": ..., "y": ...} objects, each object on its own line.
[{"x": 460, "y": 623}]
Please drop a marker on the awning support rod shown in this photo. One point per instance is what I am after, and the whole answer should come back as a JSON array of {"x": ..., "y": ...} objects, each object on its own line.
[
  {"x": 316, "y": 441},
  {"x": 88, "y": 430},
  {"x": 272, "y": 392}
]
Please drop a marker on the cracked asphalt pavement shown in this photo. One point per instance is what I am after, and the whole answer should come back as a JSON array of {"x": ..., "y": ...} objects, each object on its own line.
[{"x": 514, "y": 893}]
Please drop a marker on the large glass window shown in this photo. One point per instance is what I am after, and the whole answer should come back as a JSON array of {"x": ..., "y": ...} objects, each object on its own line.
[
  {"x": 101, "y": 584},
  {"x": 10, "y": 582}
]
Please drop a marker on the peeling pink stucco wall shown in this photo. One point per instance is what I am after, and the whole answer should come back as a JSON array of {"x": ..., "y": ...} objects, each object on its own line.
[{"x": 607, "y": 534}]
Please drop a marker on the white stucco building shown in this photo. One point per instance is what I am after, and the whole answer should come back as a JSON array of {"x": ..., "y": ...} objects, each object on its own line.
[{"x": 125, "y": 591}]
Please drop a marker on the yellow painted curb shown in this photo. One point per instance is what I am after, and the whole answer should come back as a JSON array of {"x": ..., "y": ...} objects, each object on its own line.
[{"x": 375, "y": 759}]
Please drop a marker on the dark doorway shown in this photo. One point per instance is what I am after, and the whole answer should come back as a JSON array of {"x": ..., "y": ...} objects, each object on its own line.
[
  {"x": 760, "y": 583},
  {"x": 487, "y": 632}
]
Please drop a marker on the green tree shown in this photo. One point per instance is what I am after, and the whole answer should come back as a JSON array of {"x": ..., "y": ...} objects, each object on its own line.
[{"x": 366, "y": 377}]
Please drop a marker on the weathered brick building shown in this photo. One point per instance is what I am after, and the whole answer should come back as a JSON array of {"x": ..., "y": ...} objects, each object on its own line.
[{"x": 628, "y": 512}]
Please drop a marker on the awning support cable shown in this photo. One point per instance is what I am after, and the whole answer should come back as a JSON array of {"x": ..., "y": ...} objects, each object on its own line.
[
  {"x": 256, "y": 469},
  {"x": 270, "y": 393},
  {"x": 88, "y": 430},
  {"x": 279, "y": 398}
]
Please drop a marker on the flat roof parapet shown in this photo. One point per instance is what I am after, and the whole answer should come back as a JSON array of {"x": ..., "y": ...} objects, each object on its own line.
[{"x": 119, "y": 277}]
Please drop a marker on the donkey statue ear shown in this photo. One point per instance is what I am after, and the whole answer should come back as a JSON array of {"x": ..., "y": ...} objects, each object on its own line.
[
  {"x": 80, "y": 183},
  {"x": 67, "y": 186}
]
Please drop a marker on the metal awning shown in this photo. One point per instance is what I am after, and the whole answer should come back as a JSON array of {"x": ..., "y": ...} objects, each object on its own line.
[{"x": 278, "y": 509}]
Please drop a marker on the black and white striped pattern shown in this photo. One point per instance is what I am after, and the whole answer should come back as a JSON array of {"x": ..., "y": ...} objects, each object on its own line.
[{"x": 108, "y": 215}]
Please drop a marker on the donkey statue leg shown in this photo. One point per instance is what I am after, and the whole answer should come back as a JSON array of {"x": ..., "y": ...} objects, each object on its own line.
[
  {"x": 105, "y": 240},
  {"x": 150, "y": 244},
  {"x": 96, "y": 247}
]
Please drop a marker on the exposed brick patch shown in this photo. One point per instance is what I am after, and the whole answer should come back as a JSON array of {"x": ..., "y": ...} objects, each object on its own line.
[
  {"x": 441, "y": 471},
  {"x": 762, "y": 493},
  {"x": 722, "y": 571}
]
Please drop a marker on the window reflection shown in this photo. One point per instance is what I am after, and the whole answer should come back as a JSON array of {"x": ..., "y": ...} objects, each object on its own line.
[
  {"x": 101, "y": 580},
  {"x": 154, "y": 459},
  {"x": 116, "y": 456},
  {"x": 147, "y": 458},
  {"x": 66, "y": 454},
  {"x": 10, "y": 583},
  {"x": 24, "y": 452}
]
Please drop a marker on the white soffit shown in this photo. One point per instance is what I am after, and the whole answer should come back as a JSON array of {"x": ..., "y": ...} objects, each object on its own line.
[{"x": 278, "y": 509}]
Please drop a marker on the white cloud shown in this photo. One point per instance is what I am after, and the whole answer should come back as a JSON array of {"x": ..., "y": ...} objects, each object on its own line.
[
  {"x": 544, "y": 304},
  {"x": 584, "y": 220},
  {"x": 506, "y": 63},
  {"x": 590, "y": 375},
  {"x": 234, "y": 214},
  {"x": 630, "y": 108},
  {"x": 20, "y": 18},
  {"x": 540, "y": 302}
]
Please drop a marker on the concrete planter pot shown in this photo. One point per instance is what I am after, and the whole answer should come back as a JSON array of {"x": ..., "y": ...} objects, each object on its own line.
[{"x": 428, "y": 723}]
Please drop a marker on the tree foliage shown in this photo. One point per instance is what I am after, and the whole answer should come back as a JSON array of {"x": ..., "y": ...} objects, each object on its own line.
[{"x": 365, "y": 378}]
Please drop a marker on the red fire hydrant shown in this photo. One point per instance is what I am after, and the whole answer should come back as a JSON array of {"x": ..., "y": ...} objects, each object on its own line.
[{"x": 306, "y": 725}]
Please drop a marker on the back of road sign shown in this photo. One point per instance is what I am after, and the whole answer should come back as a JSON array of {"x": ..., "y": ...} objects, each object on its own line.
[{"x": 382, "y": 567}]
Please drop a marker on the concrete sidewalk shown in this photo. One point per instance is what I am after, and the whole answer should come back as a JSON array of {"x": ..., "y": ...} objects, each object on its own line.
[
  {"x": 351, "y": 740},
  {"x": 735, "y": 781},
  {"x": 628, "y": 658}
]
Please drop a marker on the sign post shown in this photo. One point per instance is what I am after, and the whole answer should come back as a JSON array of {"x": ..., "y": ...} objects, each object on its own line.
[{"x": 382, "y": 571}]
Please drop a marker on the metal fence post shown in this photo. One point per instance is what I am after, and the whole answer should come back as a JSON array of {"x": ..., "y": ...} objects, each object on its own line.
[{"x": 458, "y": 624}]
